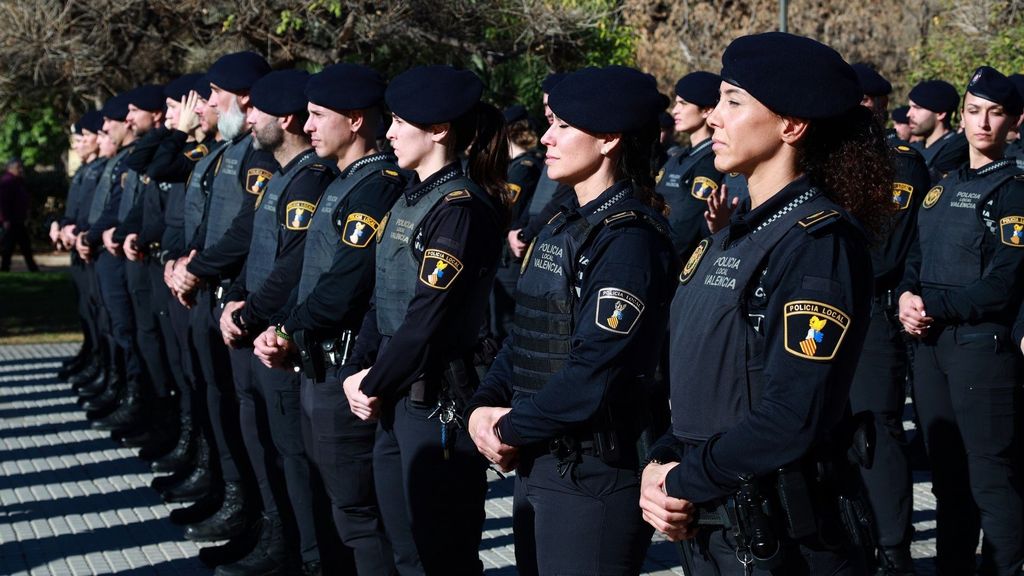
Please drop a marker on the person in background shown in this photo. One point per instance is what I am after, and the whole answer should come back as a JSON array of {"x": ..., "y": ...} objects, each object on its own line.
[{"x": 15, "y": 202}]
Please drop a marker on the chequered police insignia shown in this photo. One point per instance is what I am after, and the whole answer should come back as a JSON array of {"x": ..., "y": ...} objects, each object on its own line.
[
  {"x": 256, "y": 180},
  {"x": 515, "y": 189},
  {"x": 439, "y": 269},
  {"x": 901, "y": 194},
  {"x": 1011, "y": 231},
  {"x": 359, "y": 230},
  {"x": 380, "y": 229},
  {"x": 661, "y": 174},
  {"x": 932, "y": 197},
  {"x": 617, "y": 310},
  {"x": 691, "y": 265},
  {"x": 814, "y": 330},
  {"x": 298, "y": 214},
  {"x": 703, "y": 187},
  {"x": 197, "y": 153}
]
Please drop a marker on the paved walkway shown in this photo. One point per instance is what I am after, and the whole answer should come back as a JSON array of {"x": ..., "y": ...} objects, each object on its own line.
[{"x": 72, "y": 502}]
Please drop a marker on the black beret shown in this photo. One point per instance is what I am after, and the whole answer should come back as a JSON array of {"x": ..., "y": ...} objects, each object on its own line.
[
  {"x": 990, "y": 84},
  {"x": 178, "y": 88},
  {"x": 613, "y": 99},
  {"x": 935, "y": 95},
  {"x": 346, "y": 87},
  {"x": 871, "y": 82},
  {"x": 700, "y": 88},
  {"x": 280, "y": 93},
  {"x": 1018, "y": 82},
  {"x": 148, "y": 97},
  {"x": 792, "y": 75},
  {"x": 116, "y": 107},
  {"x": 237, "y": 72},
  {"x": 515, "y": 113},
  {"x": 550, "y": 81},
  {"x": 899, "y": 115},
  {"x": 665, "y": 120},
  {"x": 202, "y": 87},
  {"x": 91, "y": 121},
  {"x": 433, "y": 94}
]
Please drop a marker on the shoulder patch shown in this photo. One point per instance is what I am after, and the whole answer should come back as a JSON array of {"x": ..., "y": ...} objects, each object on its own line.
[
  {"x": 703, "y": 187},
  {"x": 197, "y": 153},
  {"x": 818, "y": 218},
  {"x": 901, "y": 194},
  {"x": 457, "y": 196},
  {"x": 256, "y": 180},
  {"x": 1011, "y": 231},
  {"x": 380, "y": 229},
  {"x": 686, "y": 274},
  {"x": 359, "y": 230},
  {"x": 617, "y": 310},
  {"x": 298, "y": 214},
  {"x": 814, "y": 330},
  {"x": 439, "y": 269},
  {"x": 515, "y": 189},
  {"x": 932, "y": 197}
]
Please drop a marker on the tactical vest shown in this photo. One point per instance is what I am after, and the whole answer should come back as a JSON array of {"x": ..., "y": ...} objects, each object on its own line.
[
  {"x": 268, "y": 222},
  {"x": 154, "y": 207},
  {"x": 543, "y": 193},
  {"x": 90, "y": 181},
  {"x": 548, "y": 289},
  {"x": 74, "y": 193},
  {"x": 716, "y": 380},
  {"x": 105, "y": 186},
  {"x": 931, "y": 152},
  {"x": 398, "y": 268},
  {"x": 130, "y": 187},
  {"x": 194, "y": 202},
  {"x": 951, "y": 227},
  {"x": 736, "y": 186},
  {"x": 323, "y": 236},
  {"x": 226, "y": 193},
  {"x": 687, "y": 201}
]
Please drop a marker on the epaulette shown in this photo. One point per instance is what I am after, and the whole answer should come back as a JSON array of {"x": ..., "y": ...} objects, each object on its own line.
[
  {"x": 458, "y": 196},
  {"x": 526, "y": 162},
  {"x": 392, "y": 175},
  {"x": 620, "y": 218},
  {"x": 818, "y": 220},
  {"x": 905, "y": 150},
  {"x": 316, "y": 167}
]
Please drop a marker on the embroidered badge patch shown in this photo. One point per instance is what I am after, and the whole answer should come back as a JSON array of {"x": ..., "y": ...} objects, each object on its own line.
[
  {"x": 814, "y": 330},
  {"x": 703, "y": 187},
  {"x": 661, "y": 174},
  {"x": 932, "y": 197},
  {"x": 197, "y": 153},
  {"x": 256, "y": 180},
  {"x": 1011, "y": 231},
  {"x": 515, "y": 189},
  {"x": 691, "y": 265},
  {"x": 439, "y": 269},
  {"x": 359, "y": 230},
  {"x": 298, "y": 215},
  {"x": 617, "y": 310},
  {"x": 383, "y": 224},
  {"x": 901, "y": 194}
]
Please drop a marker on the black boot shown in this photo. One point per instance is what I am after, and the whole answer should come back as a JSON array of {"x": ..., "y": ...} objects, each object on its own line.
[
  {"x": 158, "y": 434},
  {"x": 78, "y": 369},
  {"x": 91, "y": 387},
  {"x": 197, "y": 484},
  {"x": 231, "y": 520},
  {"x": 106, "y": 401},
  {"x": 312, "y": 568},
  {"x": 129, "y": 412},
  {"x": 269, "y": 557},
  {"x": 182, "y": 453},
  {"x": 895, "y": 561},
  {"x": 231, "y": 551},
  {"x": 199, "y": 510}
]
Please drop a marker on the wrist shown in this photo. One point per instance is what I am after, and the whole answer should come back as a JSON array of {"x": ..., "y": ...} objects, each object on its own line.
[{"x": 281, "y": 333}]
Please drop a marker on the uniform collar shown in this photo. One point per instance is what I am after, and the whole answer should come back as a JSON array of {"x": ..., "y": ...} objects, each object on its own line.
[
  {"x": 416, "y": 189},
  {"x": 369, "y": 159},
  {"x": 699, "y": 147},
  {"x": 744, "y": 220},
  {"x": 294, "y": 161},
  {"x": 967, "y": 172},
  {"x": 613, "y": 195}
]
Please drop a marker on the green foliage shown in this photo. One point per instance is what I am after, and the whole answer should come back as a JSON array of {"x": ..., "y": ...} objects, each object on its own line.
[{"x": 35, "y": 134}]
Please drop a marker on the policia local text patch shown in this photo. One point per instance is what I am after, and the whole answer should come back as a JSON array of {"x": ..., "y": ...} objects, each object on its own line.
[{"x": 814, "y": 330}]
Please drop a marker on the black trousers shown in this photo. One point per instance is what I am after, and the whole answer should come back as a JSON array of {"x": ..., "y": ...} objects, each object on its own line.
[
  {"x": 713, "y": 553},
  {"x": 80, "y": 279},
  {"x": 437, "y": 502},
  {"x": 195, "y": 386},
  {"x": 160, "y": 295},
  {"x": 587, "y": 521},
  {"x": 221, "y": 403},
  {"x": 341, "y": 446},
  {"x": 967, "y": 391},
  {"x": 113, "y": 287},
  {"x": 148, "y": 337},
  {"x": 16, "y": 236},
  {"x": 879, "y": 386}
]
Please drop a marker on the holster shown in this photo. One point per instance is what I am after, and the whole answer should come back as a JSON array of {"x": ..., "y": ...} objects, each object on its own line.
[{"x": 317, "y": 353}]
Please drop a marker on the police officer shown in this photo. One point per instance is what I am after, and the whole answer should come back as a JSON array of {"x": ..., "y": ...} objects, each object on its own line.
[
  {"x": 959, "y": 296},
  {"x": 333, "y": 295},
  {"x": 769, "y": 319},
  {"x": 1014, "y": 147},
  {"x": 879, "y": 384},
  {"x": 560, "y": 403},
  {"x": 689, "y": 178},
  {"x": 435, "y": 267},
  {"x": 932, "y": 106},
  {"x": 901, "y": 124},
  {"x": 218, "y": 229}
]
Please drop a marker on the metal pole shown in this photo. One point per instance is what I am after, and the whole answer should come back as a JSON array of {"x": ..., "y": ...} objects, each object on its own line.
[{"x": 783, "y": 18}]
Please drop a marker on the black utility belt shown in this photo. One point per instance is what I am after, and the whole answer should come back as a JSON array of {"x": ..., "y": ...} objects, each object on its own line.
[
  {"x": 606, "y": 446},
  {"x": 219, "y": 291},
  {"x": 316, "y": 353}
]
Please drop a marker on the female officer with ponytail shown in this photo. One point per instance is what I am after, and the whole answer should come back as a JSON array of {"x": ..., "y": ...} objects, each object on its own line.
[
  {"x": 437, "y": 253},
  {"x": 564, "y": 402},
  {"x": 769, "y": 319}
]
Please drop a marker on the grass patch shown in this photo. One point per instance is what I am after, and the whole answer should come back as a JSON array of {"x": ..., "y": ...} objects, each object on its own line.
[{"x": 38, "y": 307}]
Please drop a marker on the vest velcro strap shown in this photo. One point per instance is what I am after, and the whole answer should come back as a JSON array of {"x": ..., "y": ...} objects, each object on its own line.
[
  {"x": 542, "y": 304},
  {"x": 557, "y": 326},
  {"x": 543, "y": 346},
  {"x": 527, "y": 382},
  {"x": 542, "y": 365}
]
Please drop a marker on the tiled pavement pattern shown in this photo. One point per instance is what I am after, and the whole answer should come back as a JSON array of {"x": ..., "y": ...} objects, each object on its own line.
[{"x": 72, "y": 502}]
